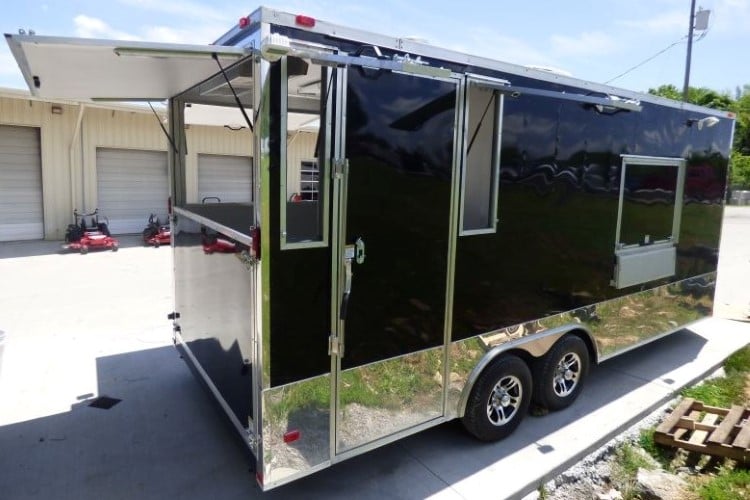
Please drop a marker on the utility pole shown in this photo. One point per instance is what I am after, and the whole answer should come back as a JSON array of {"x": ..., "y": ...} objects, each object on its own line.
[{"x": 689, "y": 52}]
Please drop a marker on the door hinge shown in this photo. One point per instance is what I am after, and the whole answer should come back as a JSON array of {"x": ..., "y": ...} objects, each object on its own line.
[
  {"x": 334, "y": 346},
  {"x": 339, "y": 167},
  {"x": 173, "y": 316}
]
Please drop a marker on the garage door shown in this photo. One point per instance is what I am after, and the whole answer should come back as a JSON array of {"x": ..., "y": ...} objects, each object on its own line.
[
  {"x": 20, "y": 184},
  {"x": 131, "y": 185},
  {"x": 227, "y": 177}
]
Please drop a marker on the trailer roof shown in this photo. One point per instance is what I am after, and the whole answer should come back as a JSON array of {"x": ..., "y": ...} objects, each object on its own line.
[{"x": 415, "y": 47}]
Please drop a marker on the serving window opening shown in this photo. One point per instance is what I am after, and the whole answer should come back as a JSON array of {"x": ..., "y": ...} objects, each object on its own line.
[
  {"x": 481, "y": 158},
  {"x": 305, "y": 153},
  {"x": 649, "y": 216},
  {"x": 218, "y": 184}
]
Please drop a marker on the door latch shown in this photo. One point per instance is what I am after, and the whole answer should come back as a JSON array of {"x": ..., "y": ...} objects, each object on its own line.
[{"x": 359, "y": 251}]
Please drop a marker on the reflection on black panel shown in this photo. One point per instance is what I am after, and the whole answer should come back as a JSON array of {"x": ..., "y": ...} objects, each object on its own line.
[
  {"x": 560, "y": 174},
  {"x": 399, "y": 140},
  {"x": 213, "y": 285},
  {"x": 648, "y": 204}
]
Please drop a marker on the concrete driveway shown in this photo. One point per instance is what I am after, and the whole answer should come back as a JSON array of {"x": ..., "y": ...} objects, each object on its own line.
[{"x": 79, "y": 327}]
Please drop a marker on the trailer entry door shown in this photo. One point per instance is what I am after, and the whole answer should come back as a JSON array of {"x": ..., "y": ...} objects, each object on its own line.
[{"x": 399, "y": 137}]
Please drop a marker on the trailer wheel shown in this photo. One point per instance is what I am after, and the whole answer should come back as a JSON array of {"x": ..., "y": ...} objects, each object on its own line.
[
  {"x": 499, "y": 399},
  {"x": 560, "y": 374}
]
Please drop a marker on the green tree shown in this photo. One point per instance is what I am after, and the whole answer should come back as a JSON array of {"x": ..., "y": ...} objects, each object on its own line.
[
  {"x": 741, "y": 107},
  {"x": 701, "y": 96},
  {"x": 740, "y": 173}
]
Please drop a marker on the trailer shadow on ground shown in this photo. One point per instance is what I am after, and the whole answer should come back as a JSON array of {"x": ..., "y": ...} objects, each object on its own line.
[{"x": 165, "y": 438}]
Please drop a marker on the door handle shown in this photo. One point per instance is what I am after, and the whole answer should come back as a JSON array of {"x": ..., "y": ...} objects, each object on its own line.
[{"x": 349, "y": 256}]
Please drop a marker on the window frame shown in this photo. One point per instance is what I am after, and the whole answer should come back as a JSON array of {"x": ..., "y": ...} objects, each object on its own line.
[
  {"x": 324, "y": 161},
  {"x": 652, "y": 161},
  {"x": 496, "y": 86}
]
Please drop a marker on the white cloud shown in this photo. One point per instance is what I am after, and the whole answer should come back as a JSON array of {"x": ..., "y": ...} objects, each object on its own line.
[
  {"x": 588, "y": 43},
  {"x": 730, "y": 17},
  {"x": 181, "y": 8},
  {"x": 92, "y": 27}
]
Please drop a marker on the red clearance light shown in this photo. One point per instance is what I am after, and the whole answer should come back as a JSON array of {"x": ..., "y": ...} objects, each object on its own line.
[
  {"x": 244, "y": 22},
  {"x": 306, "y": 21},
  {"x": 255, "y": 236},
  {"x": 291, "y": 436}
]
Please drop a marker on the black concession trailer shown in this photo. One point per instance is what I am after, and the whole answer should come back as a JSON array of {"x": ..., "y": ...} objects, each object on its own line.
[{"x": 429, "y": 235}]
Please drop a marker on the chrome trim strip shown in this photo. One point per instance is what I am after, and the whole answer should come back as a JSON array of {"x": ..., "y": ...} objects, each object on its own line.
[
  {"x": 337, "y": 250},
  {"x": 454, "y": 225},
  {"x": 262, "y": 374},
  {"x": 647, "y": 341},
  {"x": 612, "y": 327},
  {"x": 386, "y": 397},
  {"x": 266, "y": 486},
  {"x": 225, "y": 230},
  {"x": 302, "y": 407},
  {"x": 659, "y": 161},
  {"x": 359, "y": 450}
]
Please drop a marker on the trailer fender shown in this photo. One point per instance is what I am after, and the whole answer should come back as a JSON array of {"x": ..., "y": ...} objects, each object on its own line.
[{"x": 534, "y": 346}]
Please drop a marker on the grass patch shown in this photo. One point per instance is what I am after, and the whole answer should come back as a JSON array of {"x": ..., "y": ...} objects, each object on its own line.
[
  {"x": 728, "y": 484},
  {"x": 728, "y": 390},
  {"x": 661, "y": 454},
  {"x": 630, "y": 458},
  {"x": 739, "y": 361}
]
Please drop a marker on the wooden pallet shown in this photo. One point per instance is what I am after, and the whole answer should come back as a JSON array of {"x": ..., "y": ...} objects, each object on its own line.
[{"x": 706, "y": 429}]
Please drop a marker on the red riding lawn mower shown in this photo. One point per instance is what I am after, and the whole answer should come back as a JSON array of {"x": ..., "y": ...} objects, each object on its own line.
[
  {"x": 83, "y": 236},
  {"x": 156, "y": 233}
]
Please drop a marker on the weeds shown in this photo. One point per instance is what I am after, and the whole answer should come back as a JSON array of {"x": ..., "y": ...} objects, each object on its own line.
[
  {"x": 728, "y": 484},
  {"x": 728, "y": 390}
]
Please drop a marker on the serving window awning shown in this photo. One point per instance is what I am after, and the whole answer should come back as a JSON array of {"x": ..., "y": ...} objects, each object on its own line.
[{"x": 75, "y": 68}]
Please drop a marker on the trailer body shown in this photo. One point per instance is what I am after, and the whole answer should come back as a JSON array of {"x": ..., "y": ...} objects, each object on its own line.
[{"x": 420, "y": 222}]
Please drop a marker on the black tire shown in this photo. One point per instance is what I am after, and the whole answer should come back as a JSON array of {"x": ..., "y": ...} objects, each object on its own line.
[
  {"x": 560, "y": 374},
  {"x": 499, "y": 399},
  {"x": 84, "y": 250},
  {"x": 115, "y": 247}
]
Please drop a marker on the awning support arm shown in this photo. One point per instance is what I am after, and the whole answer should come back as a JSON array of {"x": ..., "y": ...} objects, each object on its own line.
[
  {"x": 163, "y": 129},
  {"x": 236, "y": 99}
]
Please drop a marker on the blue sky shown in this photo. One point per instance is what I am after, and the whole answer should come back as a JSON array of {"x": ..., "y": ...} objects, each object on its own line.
[{"x": 592, "y": 40}]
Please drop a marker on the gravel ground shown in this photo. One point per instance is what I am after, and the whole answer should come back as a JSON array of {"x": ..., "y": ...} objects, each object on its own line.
[{"x": 590, "y": 478}]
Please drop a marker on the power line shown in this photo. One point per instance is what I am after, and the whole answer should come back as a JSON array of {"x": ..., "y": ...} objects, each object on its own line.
[{"x": 681, "y": 40}]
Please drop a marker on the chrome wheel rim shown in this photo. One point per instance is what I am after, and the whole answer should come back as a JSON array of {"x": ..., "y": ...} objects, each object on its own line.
[
  {"x": 567, "y": 374},
  {"x": 504, "y": 401}
]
